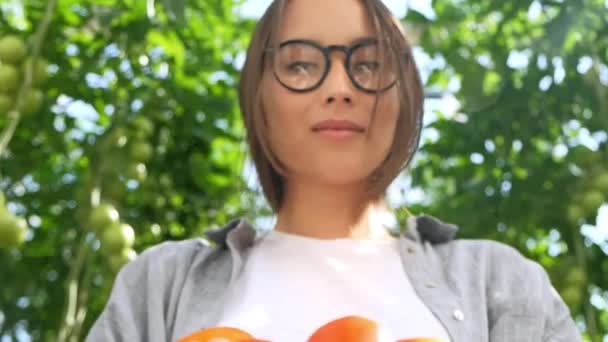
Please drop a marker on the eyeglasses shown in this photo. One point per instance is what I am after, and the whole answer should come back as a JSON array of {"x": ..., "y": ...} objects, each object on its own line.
[{"x": 302, "y": 65}]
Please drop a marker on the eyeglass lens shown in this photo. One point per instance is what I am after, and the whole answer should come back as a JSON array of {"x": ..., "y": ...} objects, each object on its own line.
[{"x": 303, "y": 66}]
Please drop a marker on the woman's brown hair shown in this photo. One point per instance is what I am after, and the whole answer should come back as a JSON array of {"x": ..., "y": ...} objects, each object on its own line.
[{"x": 391, "y": 39}]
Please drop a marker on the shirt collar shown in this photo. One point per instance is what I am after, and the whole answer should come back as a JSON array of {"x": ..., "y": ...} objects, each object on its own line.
[{"x": 241, "y": 234}]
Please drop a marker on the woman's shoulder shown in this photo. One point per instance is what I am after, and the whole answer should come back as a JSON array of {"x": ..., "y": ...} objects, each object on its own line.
[
  {"x": 485, "y": 248},
  {"x": 494, "y": 258},
  {"x": 443, "y": 237},
  {"x": 160, "y": 267},
  {"x": 512, "y": 281},
  {"x": 169, "y": 257},
  {"x": 176, "y": 249},
  {"x": 174, "y": 261},
  {"x": 145, "y": 291},
  {"x": 512, "y": 285}
]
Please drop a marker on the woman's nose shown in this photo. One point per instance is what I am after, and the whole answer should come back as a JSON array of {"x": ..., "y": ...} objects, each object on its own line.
[{"x": 338, "y": 87}]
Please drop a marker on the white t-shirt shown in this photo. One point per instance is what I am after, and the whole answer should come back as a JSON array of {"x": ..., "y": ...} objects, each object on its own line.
[{"x": 293, "y": 285}]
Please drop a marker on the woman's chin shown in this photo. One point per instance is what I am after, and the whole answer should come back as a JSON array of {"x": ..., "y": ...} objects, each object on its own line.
[{"x": 344, "y": 180}]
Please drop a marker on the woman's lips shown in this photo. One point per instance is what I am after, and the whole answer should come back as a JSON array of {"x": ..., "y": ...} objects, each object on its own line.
[
  {"x": 337, "y": 134},
  {"x": 338, "y": 125}
]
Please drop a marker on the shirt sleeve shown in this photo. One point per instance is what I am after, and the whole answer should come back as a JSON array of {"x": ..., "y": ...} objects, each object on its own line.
[
  {"x": 560, "y": 326},
  {"x": 140, "y": 304},
  {"x": 524, "y": 305}
]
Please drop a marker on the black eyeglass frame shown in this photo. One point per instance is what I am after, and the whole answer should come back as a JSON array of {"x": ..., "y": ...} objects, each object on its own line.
[{"x": 327, "y": 50}]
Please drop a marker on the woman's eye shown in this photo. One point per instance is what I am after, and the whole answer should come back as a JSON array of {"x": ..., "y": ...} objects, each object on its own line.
[
  {"x": 299, "y": 67},
  {"x": 367, "y": 66}
]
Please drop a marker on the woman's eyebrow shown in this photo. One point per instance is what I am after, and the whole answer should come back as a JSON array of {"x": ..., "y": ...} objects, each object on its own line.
[
  {"x": 358, "y": 40},
  {"x": 362, "y": 40}
]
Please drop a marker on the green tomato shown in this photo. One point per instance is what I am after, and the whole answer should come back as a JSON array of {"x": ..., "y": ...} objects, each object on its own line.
[
  {"x": 575, "y": 213},
  {"x": 592, "y": 200},
  {"x": 13, "y": 229},
  {"x": 601, "y": 182},
  {"x": 12, "y": 49},
  {"x": 31, "y": 102},
  {"x": 576, "y": 277},
  {"x": 144, "y": 126},
  {"x": 103, "y": 216},
  {"x": 117, "y": 138},
  {"x": 572, "y": 296},
  {"x": 118, "y": 237},
  {"x": 141, "y": 151},
  {"x": 117, "y": 261},
  {"x": 9, "y": 78},
  {"x": 137, "y": 171}
]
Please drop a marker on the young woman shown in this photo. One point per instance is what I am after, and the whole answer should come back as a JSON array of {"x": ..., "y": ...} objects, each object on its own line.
[{"x": 332, "y": 102}]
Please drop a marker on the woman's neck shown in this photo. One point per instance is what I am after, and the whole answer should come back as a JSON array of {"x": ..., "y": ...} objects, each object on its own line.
[{"x": 326, "y": 212}]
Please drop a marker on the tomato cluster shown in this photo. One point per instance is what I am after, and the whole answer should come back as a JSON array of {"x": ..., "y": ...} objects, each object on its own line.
[
  {"x": 13, "y": 229},
  {"x": 13, "y": 64},
  {"x": 117, "y": 238}
]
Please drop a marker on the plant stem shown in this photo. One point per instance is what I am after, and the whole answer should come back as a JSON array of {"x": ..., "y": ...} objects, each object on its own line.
[
  {"x": 82, "y": 298},
  {"x": 579, "y": 249},
  {"x": 75, "y": 306},
  {"x": 73, "y": 287},
  {"x": 14, "y": 114}
]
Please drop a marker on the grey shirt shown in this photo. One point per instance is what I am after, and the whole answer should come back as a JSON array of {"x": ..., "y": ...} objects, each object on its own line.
[{"x": 480, "y": 290}]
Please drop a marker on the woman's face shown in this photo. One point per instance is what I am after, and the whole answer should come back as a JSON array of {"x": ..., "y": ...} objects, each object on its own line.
[{"x": 310, "y": 154}]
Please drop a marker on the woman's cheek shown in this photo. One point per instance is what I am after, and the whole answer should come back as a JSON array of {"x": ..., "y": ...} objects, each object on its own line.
[
  {"x": 286, "y": 132},
  {"x": 385, "y": 122}
]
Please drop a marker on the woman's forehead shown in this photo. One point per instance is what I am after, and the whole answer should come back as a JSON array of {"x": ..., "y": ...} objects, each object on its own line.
[{"x": 325, "y": 21}]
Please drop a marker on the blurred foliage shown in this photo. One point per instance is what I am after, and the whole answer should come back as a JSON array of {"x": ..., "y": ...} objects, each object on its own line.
[
  {"x": 139, "y": 127},
  {"x": 523, "y": 157},
  {"x": 139, "y": 113}
]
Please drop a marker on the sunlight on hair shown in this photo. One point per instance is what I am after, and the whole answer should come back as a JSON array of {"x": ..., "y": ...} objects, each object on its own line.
[{"x": 255, "y": 8}]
